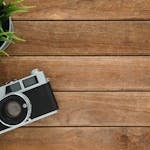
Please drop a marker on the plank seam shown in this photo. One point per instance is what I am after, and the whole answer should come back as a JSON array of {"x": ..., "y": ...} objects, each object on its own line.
[
  {"x": 117, "y": 20},
  {"x": 85, "y": 126},
  {"x": 107, "y": 55}
]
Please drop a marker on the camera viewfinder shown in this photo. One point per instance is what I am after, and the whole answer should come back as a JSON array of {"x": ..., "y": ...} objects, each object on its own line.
[
  {"x": 13, "y": 88},
  {"x": 30, "y": 81}
]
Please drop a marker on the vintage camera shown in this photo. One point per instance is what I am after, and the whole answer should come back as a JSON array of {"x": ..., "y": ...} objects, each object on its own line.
[{"x": 26, "y": 100}]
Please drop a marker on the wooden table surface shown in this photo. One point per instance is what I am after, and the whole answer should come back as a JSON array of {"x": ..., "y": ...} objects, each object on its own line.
[{"x": 97, "y": 56}]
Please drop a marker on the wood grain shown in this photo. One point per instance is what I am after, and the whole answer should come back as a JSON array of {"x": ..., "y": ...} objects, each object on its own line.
[
  {"x": 83, "y": 73},
  {"x": 82, "y": 38},
  {"x": 87, "y": 10},
  {"x": 86, "y": 48},
  {"x": 77, "y": 139},
  {"x": 100, "y": 109}
]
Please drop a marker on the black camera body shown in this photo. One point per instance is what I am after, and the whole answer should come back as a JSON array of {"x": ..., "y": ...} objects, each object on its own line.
[{"x": 25, "y": 101}]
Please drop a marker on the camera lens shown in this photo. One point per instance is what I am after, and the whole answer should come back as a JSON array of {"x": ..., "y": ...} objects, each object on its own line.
[{"x": 13, "y": 109}]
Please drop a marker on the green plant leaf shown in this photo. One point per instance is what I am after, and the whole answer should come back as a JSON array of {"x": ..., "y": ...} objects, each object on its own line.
[
  {"x": 5, "y": 12},
  {"x": 11, "y": 8},
  {"x": 3, "y": 53}
]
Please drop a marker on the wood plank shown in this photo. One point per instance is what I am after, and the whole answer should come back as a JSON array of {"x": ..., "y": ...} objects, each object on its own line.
[
  {"x": 83, "y": 73},
  {"x": 100, "y": 109},
  {"x": 76, "y": 139},
  {"x": 82, "y": 38},
  {"x": 87, "y": 10}
]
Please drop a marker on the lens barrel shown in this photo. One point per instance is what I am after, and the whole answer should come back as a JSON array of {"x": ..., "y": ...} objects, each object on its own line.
[{"x": 14, "y": 109}]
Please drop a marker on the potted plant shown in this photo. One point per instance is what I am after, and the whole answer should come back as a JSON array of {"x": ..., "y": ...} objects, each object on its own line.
[{"x": 7, "y": 34}]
